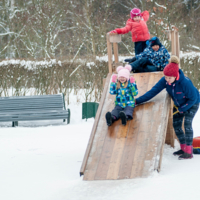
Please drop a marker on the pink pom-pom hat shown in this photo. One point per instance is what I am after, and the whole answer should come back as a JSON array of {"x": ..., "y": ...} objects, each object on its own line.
[
  {"x": 124, "y": 71},
  {"x": 135, "y": 12}
]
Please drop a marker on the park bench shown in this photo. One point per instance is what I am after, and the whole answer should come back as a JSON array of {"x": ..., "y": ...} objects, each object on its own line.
[{"x": 27, "y": 108}]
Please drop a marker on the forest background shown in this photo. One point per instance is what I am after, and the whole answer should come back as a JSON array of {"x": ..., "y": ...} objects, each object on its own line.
[{"x": 59, "y": 41}]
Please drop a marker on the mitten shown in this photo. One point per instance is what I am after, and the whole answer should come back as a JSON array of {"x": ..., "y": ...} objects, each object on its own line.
[
  {"x": 130, "y": 60},
  {"x": 132, "y": 79},
  {"x": 180, "y": 110},
  {"x": 114, "y": 31},
  {"x": 114, "y": 78}
]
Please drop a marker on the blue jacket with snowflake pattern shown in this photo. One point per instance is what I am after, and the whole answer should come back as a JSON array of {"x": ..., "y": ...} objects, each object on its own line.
[{"x": 158, "y": 58}]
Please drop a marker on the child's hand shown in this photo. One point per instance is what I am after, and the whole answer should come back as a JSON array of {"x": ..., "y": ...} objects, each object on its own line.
[
  {"x": 132, "y": 79},
  {"x": 114, "y": 78},
  {"x": 114, "y": 32}
]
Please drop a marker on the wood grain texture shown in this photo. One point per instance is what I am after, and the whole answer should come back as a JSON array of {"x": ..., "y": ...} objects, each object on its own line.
[
  {"x": 94, "y": 128},
  {"x": 134, "y": 150}
]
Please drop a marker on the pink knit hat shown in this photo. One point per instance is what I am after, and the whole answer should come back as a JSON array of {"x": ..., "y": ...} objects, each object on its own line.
[
  {"x": 135, "y": 12},
  {"x": 124, "y": 71}
]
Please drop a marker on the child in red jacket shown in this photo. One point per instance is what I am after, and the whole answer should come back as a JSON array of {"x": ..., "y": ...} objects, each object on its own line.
[{"x": 138, "y": 27}]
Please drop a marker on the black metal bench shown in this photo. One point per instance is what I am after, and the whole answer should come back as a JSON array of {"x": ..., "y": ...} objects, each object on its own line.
[{"x": 27, "y": 108}]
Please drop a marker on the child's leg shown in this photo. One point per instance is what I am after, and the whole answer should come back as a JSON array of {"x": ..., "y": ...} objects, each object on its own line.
[
  {"x": 115, "y": 112},
  {"x": 139, "y": 65},
  {"x": 113, "y": 116},
  {"x": 126, "y": 114},
  {"x": 151, "y": 68},
  {"x": 128, "y": 110},
  {"x": 139, "y": 47}
]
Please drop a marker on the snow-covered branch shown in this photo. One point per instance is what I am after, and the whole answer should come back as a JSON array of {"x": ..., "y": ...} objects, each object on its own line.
[{"x": 161, "y": 6}]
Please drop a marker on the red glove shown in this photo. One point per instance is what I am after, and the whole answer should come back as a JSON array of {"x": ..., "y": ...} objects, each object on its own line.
[
  {"x": 114, "y": 31},
  {"x": 132, "y": 79},
  {"x": 114, "y": 78}
]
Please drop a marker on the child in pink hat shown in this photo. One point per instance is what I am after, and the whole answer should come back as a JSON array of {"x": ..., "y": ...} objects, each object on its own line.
[
  {"x": 138, "y": 27},
  {"x": 125, "y": 88}
]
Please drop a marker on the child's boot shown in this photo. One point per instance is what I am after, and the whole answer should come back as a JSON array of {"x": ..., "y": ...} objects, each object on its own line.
[
  {"x": 188, "y": 154},
  {"x": 122, "y": 116},
  {"x": 109, "y": 118},
  {"x": 181, "y": 151}
]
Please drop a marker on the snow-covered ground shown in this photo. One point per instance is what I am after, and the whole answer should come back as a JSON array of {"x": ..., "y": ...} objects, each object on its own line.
[{"x": 41, "y": 161}]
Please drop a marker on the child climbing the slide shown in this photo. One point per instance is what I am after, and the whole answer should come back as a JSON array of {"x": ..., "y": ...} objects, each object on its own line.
[
  {"x": 125, "y": 88},
  {"x": 186, "y": 104},
  {"x": 138, "y": 27}
]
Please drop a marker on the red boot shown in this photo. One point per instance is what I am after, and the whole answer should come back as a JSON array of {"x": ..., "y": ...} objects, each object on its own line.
[{"x": 188, "y": 154}]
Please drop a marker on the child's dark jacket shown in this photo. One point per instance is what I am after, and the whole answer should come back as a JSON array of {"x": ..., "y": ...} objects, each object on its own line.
[{"x": 182, "y": 91}]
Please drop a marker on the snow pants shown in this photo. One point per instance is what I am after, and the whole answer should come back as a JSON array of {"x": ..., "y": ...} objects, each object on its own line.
[
  {"x": 139, "y": 47},
  {"x": 143, "y": 65},
  {"x": 128, "y": 110}
]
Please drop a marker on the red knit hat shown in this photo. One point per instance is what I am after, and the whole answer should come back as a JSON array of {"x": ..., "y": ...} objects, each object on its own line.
[{"x": 172, "y": 69}]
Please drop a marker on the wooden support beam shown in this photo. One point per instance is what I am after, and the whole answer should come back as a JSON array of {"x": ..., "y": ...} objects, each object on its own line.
[
  {"x": 173, "y": 43},
  {"x": 177, "y": 44},
  {"x": 109, "y": 50},
  {"x": 115, "y": 48},
  {"x": 115, "y": 39},
  {"x": 170, "y": 135}
]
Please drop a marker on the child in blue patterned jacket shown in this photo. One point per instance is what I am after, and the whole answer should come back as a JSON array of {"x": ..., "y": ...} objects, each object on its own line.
[
  {"x": 125, "y": 89},
  {"x": 154, "y": 58}
]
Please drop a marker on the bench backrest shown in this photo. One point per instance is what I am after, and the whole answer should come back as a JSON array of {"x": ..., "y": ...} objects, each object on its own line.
[{"x": 32, "y": 103}]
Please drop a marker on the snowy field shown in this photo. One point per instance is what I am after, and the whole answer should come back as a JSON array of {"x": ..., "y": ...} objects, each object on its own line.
[{"x": 41, "y": 161}]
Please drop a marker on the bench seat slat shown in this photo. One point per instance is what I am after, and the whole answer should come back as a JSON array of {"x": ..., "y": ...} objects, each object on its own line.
[
  {"x": 31, "y": 101},
  {"x": 33, "y": 112},
  {"x": 31, "y": 106},
  {"x": 38, "y": 117},
  {"x": 33, "y": 97}
]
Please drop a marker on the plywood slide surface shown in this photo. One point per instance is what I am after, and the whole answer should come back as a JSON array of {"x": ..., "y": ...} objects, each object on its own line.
[{"x": 134, "y": 150}]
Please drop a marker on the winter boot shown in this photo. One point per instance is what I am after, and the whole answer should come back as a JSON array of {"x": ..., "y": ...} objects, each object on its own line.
[
  {"x": 181, "y": 151},
  {"x": 109, "y": 118},
  {"x": 188, "y": 154},
  {"x": 123, "y": 117}
]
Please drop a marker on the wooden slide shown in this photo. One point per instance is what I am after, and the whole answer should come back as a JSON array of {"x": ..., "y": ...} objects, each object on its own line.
[{"x": 134, "y": 150}]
